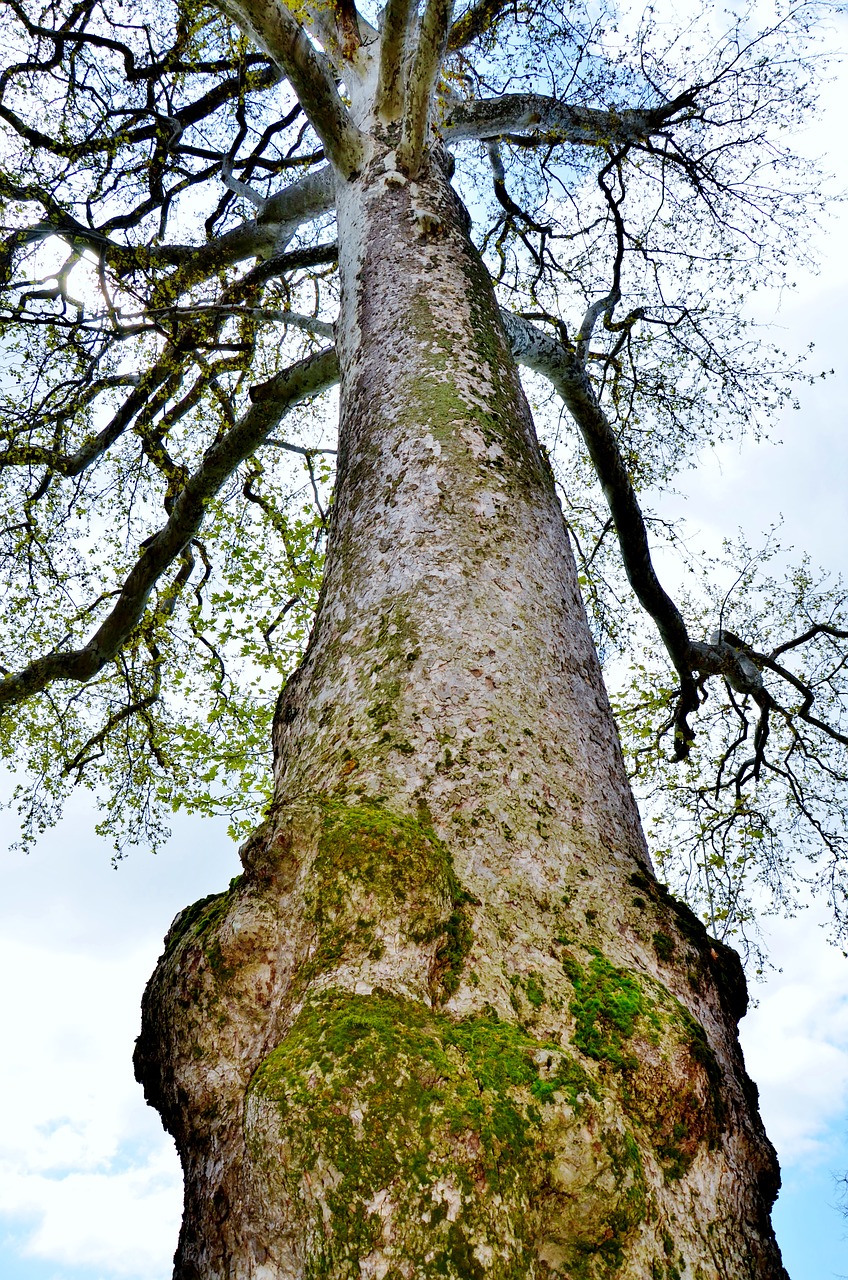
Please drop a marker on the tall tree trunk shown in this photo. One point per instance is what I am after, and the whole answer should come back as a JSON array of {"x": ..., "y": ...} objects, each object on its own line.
[{"x": 447, "y": 1023}]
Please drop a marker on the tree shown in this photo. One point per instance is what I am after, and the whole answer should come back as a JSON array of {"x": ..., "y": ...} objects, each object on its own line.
[{"x": 447, "y": 1022}]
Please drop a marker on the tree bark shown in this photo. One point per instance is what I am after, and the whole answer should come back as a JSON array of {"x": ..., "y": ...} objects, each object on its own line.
[{"x": 447, "y": 1023}]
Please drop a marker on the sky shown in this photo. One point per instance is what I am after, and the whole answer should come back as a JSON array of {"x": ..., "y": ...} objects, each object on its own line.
[{"x": 90, "y": 1186}]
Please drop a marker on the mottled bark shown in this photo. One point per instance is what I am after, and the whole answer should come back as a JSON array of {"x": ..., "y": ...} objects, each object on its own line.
[{"x": 447, "y": 1023}]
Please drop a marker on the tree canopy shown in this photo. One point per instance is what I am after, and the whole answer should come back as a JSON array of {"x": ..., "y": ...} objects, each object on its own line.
[{"x": 168, "y": 297}]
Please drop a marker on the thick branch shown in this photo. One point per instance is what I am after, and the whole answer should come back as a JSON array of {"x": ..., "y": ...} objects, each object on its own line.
[
  {"x": 266, "y": 237},
  {"x": 556, "y": 121},
  {"x": 539, "y": 351},
  {"x": 388, "y": 100},
  {"x": 300, "y": 202},
  {"x": 475, "y": 22},
  {"x": 276, "y": 30},
  {"x": 271, "y": 402},
  {"x": 279, "y": 217},
  {"x": 724, "y": 654},
  {"x": 427, "y": 63},
  {"x": 347, "y": 25},
  {"x": 817, "y": 629}
]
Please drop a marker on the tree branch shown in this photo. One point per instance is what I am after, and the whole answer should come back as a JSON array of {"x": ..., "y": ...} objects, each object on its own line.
[
  {"x": 557, "y": 121},
  {"x": 426, "y": 65},
  {"x": 347, "y": 25},
  {"x": 271, "y": 401},
  {"x": 274, "y": 28},
  {"x": 300, "y": 202},
  {"x": 278, "y": 218},
  {"x": 817, "y": 629},
  {"x": 539, "y": 351},
  {"x": 388, "y": 99},
  {"x": 725, "y": 654},
  {"x": 561, "y": 365},
  {"x": 281, "y": 215},
  {"x": 191, "y": 113},
  {"x": 475, "y": 22}
]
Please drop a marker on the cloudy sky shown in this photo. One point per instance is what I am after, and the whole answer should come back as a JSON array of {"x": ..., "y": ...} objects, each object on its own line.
[{"x": 89, "y": 1186}]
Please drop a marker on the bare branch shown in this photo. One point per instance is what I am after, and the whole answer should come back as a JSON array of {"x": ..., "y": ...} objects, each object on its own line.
[
  {"x": 298, "y": 448},
  {"x": 278, "y": 219},
  {"x": 293, "y": 319},
  {"x": 557, "y": 121},
  {"x": 817, "y": 629},
  {"x": 388, "y": 100},
  {"x": 301, "y": 201},
  {"x": 562, "y": 366},
  {"x": 475, "y": 22},
  {"x": 239, "y": 188}
]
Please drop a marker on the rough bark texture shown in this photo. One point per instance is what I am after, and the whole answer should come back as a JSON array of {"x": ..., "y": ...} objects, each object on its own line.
[{"x": 447, "y": 1023}]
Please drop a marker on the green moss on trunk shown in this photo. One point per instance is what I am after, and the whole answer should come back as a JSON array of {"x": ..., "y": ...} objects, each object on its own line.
[
  {"x": 375, "y": 868},
  {"x": 435, "y": 1139}
]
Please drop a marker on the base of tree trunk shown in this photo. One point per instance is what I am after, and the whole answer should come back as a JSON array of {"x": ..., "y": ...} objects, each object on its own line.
[{"x": 355, "y": 1093}]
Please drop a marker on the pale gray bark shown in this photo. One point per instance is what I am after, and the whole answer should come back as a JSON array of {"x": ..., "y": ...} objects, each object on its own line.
[
  {"x": 265, "y": 236},
  {"x": 389, "y": 96},
  {"x": 275, "y": 28},
  {"x": 400, "y": 1045},
  {"x": 423, "y": 74},
  {"x": 528, "y": 112},
  {"x": 300, "y": 202}
]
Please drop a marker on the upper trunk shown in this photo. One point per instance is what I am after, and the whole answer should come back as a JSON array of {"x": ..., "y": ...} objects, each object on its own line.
[
  {"x": 451, "y": 668},
  {"x": 447, "y": 1023}
]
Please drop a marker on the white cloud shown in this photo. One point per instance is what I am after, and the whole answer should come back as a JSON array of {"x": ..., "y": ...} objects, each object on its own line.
[
  {"x": 796, "y": 1044},
  {"x": 81, "y": 1157},
  {"x": 88, "y": 1180},
  {"x": 120, "y": 1223}
]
